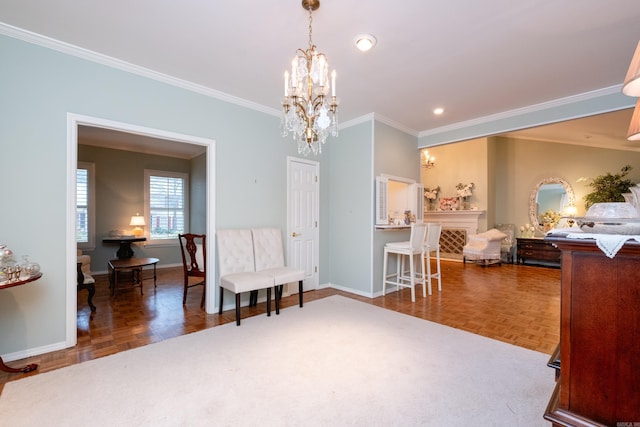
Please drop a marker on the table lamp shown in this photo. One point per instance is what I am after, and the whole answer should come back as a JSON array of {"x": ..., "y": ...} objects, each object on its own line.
[
  {"x": 570, "y": 211},
  {"x": 137, "y": 221}
]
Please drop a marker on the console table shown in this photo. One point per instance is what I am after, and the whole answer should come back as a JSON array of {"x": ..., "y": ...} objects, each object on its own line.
[
  {"x": 4, "y": 285},
  {"x": 597, "y": 367},
  {"x": 537, "y": 251},
  {"x": 125, "y": 250}
]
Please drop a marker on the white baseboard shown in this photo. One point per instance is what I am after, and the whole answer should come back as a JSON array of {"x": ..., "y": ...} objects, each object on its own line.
[
  {"x": 33, "y": 351},
  {"x": 349, "y": 290}
]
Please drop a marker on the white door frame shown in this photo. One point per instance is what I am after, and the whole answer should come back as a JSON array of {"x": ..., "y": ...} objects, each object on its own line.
[
  {"x": 316, "y": 243},
  {"x": 75, "y": 120}
]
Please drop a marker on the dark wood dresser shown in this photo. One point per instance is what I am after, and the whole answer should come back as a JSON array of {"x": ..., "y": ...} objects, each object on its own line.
[
  {"x": 537, "y": 251},
  {"x": 598, "y": 364}
]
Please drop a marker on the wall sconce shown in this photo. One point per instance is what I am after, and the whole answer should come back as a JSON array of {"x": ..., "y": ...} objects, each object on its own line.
[
  {"x": 428, "y": 161},
  {"x": 137, "y": 221}
]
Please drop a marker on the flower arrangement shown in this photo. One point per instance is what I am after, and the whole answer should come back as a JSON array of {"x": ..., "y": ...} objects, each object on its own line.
[
  {"x": 464, "y": 190},
  {"x": 448, "y": 203},
  {"x": 527, "y": 230},
  {"x": 431, "y": 194},
  {"x": 550, "y": 218}
]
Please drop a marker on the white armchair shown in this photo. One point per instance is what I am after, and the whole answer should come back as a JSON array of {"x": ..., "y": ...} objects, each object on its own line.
[{"x": 484, "y": 248}]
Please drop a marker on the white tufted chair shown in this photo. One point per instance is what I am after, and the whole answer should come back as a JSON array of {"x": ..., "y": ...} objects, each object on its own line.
[
  {"x": 237, "y": 267},
  {"x": 269, "y": 253}
]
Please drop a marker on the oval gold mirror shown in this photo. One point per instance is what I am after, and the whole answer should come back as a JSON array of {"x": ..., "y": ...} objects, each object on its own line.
[{"x": 550, "y": 196}]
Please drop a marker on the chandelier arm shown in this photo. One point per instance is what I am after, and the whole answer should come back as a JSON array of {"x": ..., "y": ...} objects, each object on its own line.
[
  {"x": 301, "y": 108},
  {"x": 318, "y": 101}
]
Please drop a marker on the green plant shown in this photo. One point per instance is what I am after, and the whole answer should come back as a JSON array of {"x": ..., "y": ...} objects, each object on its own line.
[{"x": 609, "y": 188}]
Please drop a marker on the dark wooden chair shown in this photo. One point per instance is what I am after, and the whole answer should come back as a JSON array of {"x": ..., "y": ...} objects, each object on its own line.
[
  {"x": 89, "y": 284},
  {"x": 193, "y": 248}
]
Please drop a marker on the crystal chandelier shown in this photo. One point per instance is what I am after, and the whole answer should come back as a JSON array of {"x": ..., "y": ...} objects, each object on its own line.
[{"x": 307, "y": 109}]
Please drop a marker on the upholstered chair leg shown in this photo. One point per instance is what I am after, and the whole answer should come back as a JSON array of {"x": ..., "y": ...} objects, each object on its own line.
[
  {"x": 221, "y": 300},
  {"x": 253, "y": 298},
  {"x": 277, "y": 297},
  {"x": 238, "y": 309},
  {"x": 300, "y": 292},
  {"x": 269, "y": 302}
]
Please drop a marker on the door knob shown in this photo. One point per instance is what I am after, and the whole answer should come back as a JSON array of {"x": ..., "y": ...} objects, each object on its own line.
[{"x": 294, "y": 234}]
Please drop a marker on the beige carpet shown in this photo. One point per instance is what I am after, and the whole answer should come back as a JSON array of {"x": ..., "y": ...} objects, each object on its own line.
[{"x": 335, "y": 362}]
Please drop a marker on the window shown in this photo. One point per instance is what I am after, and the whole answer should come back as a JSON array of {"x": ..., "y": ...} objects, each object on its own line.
[
  {"x": 85, "y": 212},
  {"x": 166, "y": 201},
  {"x": 395, "y": 195}
]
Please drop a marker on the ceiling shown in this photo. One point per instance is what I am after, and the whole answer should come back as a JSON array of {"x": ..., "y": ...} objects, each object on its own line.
[{"x": 472, "y": 58}]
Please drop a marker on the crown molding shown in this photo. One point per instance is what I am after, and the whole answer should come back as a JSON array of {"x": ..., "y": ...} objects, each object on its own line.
[
  {"x": 586, "y": 96},
  {"x": 79, "y": 52},
  {"x": 73, "y": 50},
  {"x": 378, "y": 118},
  {"x": 387, "y": 121}
]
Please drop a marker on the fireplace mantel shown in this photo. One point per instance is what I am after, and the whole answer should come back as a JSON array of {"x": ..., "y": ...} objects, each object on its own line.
[
  {"x": 456, "y": 227},
  {"x": 467, "y": 219}
]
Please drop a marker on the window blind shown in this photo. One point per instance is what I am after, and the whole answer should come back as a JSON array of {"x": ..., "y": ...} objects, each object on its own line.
[
  {"x": 166, "y": 207},
  {"x": 82, "y": 206}
]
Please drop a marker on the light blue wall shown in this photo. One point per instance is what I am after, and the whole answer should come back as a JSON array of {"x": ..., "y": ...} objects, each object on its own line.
[
  {"x": 39, "y": 87},
  {"x": 395, "y": 153},
  {"x": 351, "y": 209}
]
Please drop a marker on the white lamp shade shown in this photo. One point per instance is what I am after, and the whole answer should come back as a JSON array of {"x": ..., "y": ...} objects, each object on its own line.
[
  {"x": 631, "y": 84},
  {"x": 137, "y": 221},
  {"x": 634, "y": 127}
]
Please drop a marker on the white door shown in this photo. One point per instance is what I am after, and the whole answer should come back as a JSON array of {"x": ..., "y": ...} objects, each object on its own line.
[{"x": 302, "y": 218}]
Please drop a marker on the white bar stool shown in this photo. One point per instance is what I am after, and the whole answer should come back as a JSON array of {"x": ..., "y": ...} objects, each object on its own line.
[{"x": 414, "y": 247}]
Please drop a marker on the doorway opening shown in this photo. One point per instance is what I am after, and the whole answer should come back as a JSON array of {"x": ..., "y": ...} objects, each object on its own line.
[{"x": 123, "y": 131}]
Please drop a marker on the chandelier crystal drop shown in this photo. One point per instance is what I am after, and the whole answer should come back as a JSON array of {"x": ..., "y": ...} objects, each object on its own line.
[{"x": 308, "y": 111}]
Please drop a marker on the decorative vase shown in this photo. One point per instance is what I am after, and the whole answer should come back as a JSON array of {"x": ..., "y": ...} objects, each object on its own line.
[
  {"x": 431, "y": 204},
  {"x": 462, "y": 204}
]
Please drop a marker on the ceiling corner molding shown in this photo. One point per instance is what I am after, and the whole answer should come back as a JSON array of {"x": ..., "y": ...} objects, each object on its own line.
[
  {"x": 353, "y": 122},
  {"x": 371, "y": 117},
  {"x": 387, "y": 121},
  {"x": 531, "y": 109},
  {"x": 73, "y": 50}
]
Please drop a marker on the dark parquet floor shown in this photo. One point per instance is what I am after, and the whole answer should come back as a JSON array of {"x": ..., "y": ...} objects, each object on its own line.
[{"x": 516, "y": 304}]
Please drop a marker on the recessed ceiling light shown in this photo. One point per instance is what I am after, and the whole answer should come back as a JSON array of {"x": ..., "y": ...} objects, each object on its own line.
[
  {"x": 365, "y": 42},
  {"x": 438, "y": 111}
]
